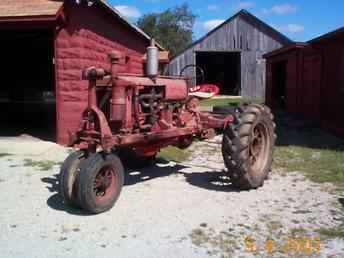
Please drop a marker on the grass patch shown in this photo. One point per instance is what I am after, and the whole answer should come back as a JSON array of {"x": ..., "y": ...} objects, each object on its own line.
[
  {"x": 4, "y": 155},
  {"x": 43, "y": 165},
  {"x": 227, "y": 101},
  {"x": 318, "y": 155},
  {"x": 174, "y": 154},
  {"x": 331, "y": 232},
  {"x": 220, "y": 244},
  {"x": 318, "y": 165},
  {"x": 221, "y": 102},
  {"x": 273, "y": 226},
  {"x": 299, "y": 231}
]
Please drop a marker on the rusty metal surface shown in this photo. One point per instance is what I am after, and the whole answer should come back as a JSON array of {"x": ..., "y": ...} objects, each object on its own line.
[{"x": 147, "y": 114}]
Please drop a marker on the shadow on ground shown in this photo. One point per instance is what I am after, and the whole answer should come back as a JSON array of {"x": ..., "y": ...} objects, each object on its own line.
[
  {"x": 341, "y": 201},
  {"x": 162, "y": 168},
  {"x": 209, "y": 180},
  {"x": 298, "y": 132},
  {"x": 55, "y": 201},
  {"x": 215, "y": 181}
]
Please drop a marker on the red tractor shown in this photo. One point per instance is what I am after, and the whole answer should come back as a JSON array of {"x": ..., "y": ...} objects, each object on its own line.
[{"x": 134, "y": 116}]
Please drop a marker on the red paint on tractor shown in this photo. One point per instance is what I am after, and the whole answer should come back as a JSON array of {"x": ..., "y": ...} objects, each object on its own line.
[
  {"x": 176, "y": 89},
  {"x": 156, "y": 112},
  {"x": 145, "y": 113}
]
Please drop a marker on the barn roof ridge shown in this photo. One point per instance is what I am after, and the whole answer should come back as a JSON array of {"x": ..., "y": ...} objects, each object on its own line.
[
  {"x": 297, "y": 45},
  {"x": 242, "y": 13},
  {"x": 130, "y": 24},
  {"x": 327, "y": 35}
]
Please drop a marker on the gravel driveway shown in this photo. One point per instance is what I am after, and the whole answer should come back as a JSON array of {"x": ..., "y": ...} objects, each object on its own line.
[{"x": 169, "y": 210}]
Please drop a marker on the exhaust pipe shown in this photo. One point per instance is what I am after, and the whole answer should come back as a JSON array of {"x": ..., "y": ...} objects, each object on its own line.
[{"x": 152, "y": 68}]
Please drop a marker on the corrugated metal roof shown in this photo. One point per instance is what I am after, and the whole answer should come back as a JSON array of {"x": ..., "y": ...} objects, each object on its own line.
[{"x": 20, "y": 8}]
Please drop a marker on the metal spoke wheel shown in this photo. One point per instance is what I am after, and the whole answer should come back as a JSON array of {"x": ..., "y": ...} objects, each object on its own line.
[
  {"x": 259, "y": 148},
  {"x": 105, "y": 182},
  {"x": 100, "y": 182},
  {"x": 248, "y": 144}
]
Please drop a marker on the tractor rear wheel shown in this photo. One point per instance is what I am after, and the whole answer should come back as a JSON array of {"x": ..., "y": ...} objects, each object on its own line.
[
  {"x": 68, "y": 176},
  {"x": 248, "y": 144},
  {"x": 100, "y": 182}
]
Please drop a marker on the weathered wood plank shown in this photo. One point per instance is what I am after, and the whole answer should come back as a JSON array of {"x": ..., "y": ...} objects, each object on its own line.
[{"x": 243, "y": 33}]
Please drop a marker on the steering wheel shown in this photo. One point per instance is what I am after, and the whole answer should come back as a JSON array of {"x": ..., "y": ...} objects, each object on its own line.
[{"x": 199, "y": 76}]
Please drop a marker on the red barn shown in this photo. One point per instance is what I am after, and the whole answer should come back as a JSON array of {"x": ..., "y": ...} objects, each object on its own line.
[
  {"x": 307, "y": 79},
  {"x": 43, "y": 48}
]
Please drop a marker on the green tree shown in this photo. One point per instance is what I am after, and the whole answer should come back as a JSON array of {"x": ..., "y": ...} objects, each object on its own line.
[{"x": 173, "y": 28}]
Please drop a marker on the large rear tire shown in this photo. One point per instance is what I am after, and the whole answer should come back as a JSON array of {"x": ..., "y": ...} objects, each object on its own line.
[
  {"x": 68, "y": 176},
  {"x": 248, "y": 145},
  {"x": 100, "y": 182}
]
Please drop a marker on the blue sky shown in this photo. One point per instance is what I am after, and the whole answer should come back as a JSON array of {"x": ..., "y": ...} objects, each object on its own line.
[{"x": 299, "y": 20}]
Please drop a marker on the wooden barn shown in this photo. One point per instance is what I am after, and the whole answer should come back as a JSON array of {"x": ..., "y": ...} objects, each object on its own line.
[
  {"x": 231, "y": 55},
  {"x": 307, "y": 79},
  {"x": 44, "y": 46}
]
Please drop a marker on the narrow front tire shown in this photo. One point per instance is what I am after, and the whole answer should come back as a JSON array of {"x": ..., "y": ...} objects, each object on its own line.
[
  {"x": 100, "y": 182},
  {"x": 68, "y": 177}
]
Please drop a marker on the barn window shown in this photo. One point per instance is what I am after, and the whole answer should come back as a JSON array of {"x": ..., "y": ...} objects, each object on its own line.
[
  {"x": 234, "y": 42},
  {"x": 240, "y": 41}
]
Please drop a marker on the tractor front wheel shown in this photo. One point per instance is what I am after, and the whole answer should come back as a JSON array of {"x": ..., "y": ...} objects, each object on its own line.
[
  {"x": 68, "y": 177},
  {"x": 100, "y": 182},
  {"x": 248, "y": 144}
]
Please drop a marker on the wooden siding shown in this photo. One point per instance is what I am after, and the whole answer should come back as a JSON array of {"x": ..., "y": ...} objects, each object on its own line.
[
  {"x": 243, "y": 33},
  {"x": 332, "y": 90},
  {"x": 315, "y": 80}
]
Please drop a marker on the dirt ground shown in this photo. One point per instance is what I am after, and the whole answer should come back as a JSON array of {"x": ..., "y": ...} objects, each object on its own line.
[{"x": 168, "y": 210}]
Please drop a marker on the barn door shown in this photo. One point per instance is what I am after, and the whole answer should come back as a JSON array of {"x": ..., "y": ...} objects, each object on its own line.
[
  {"x": 311, "y": 87},
  {"x": 222, "y": 69}
]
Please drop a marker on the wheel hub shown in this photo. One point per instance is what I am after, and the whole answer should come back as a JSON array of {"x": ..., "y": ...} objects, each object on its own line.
[
  {"x": 104, "y": 182},
  {"x": 258, "y": 147}
]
